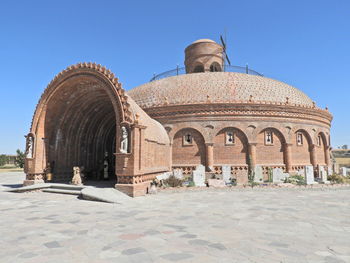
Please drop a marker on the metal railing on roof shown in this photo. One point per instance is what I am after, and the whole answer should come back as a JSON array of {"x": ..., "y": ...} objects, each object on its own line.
[{"x": 227, "y": 68}]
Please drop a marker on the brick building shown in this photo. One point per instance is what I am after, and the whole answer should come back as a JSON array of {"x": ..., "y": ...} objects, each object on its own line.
[{"x": 212, "y": 115}]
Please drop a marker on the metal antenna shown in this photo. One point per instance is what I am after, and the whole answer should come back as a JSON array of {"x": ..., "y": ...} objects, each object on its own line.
[{"x": 223, "y": 42}]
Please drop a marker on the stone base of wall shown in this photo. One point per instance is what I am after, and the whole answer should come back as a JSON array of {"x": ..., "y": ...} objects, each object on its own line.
[
  {"x": 31, "y": 182},
  {"x": 134, "y": 190}
]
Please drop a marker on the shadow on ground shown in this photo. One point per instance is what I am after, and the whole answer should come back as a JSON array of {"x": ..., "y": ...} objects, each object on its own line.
[{"x": 12, "y": 185}]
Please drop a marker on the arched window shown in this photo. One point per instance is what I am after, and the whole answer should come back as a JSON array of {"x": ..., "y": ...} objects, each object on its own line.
[
  {"x": 268, "y": 137},
  {"x": 229, "y": 138},
  {"x": 319, "y": 140},
  {"x": 187, "y": 139},
  {"x": 299, "y": 138},
  {"x": 215, "y": 67},
  {"x": 198, "y": 68}
]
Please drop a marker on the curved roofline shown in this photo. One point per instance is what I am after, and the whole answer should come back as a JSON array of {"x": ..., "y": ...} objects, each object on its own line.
[
  {"x": 163, "y": 91},
  {"x": 117, "y": 94},
  {"x": 203, "y": 40}
]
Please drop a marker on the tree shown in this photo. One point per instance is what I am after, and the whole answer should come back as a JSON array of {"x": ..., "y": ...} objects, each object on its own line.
[
  {"x": 345, "y": 147},
  {"x": 3, "y": 159},
  {"x": 19, "y": 158}
]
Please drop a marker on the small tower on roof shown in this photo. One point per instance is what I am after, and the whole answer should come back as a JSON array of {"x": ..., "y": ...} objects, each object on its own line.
[{"x": 204, "y": 55}]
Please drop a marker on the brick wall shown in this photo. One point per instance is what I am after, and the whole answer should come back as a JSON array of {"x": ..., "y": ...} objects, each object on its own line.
[
  {"x": 320, "y": 153},
  {"x": 154, "y": 156},
  {"x": 230, "y": 153},
  {"x": 269, "y": 154},
  {"x": 188, "y": 154},
  {"x": 300, "y": 153}
]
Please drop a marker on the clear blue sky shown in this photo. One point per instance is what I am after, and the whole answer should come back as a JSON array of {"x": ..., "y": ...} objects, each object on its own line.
[{"x": 303, "y": 43}]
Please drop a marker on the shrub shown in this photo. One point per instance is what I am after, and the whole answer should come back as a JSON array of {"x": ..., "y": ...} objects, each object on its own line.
[
  {"x": 335, "y": 178},
  {"x": 20, "y": 158},
  {"x": 270, "y": 175},
  {"x": 172, "y": 181},
  {"x": 190, "y": 184},
  {"x": 252, "y": 184},
  {"x": 295, "y": 179}
]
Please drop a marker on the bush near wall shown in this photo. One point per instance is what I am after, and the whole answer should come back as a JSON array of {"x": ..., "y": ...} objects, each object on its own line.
[
  {"x": 336, "y": 178},
  {"x": 172, "y": 181},
  {"x": 296, "y": 179}
]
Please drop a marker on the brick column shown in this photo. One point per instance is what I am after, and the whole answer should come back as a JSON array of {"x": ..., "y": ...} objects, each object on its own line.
[
  {"x": 129, "y": 167},
  {"x": 288, "y": 157},
  {"x": 210, "y": 156},
  {"x": 327, "y": 155},
  {"x": 171, "y": 155},
  {"x": 313, "y": 155},
  {"x": 252, "y": 154}
]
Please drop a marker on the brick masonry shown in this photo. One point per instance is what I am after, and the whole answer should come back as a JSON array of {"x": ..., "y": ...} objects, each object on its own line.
[{"x": 80, "y": 114}]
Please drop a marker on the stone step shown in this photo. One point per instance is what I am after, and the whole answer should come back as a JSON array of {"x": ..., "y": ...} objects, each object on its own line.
[
  {"x": 40, "y": 186},
  {"x": 32, "y": 187},
  {"x": 66, "y": 186},
  {"x": 108, "y": 195},
  {"x": 62, "y": 191}
]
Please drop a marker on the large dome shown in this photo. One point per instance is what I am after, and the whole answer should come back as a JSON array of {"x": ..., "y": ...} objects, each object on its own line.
[
  {"x": 217, "y": 87},
  {"x": 204, "y": 40}
]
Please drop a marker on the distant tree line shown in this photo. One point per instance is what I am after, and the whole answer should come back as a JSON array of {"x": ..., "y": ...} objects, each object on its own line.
[
  {"x": 19, "y": 161},
  {"x": 3, "y": 159}
]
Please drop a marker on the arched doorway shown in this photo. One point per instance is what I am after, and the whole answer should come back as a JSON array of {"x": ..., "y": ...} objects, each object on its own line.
[
  {"x": 80, "y": 130},
  {"x": 84, "y": 116},
  {"x": 215, "y": 67},
  {"x": 76, "y": 123}
]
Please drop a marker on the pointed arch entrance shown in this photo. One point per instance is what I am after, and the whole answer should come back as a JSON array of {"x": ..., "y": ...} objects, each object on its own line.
[
  {"x": 83, "y": 114},
  {"x": 77, "y": 123},
  {"x": 80, "y": 130}
]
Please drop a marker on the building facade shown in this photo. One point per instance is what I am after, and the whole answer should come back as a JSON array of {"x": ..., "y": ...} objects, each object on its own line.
[{"x": 210, "y": 116}]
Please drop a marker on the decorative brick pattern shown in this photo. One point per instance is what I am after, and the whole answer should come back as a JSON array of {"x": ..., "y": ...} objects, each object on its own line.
[
  {"x": 221, "y": 87},
  {"x": 81, "y": 112},
  {"x": 79, "y": 118},
  {"x": 186, "y": 170}
]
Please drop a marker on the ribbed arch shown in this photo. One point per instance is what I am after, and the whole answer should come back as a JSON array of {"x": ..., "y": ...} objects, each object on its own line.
[
  {"x": 80, "y": 126},
  {"x": 77, "y": 120}
]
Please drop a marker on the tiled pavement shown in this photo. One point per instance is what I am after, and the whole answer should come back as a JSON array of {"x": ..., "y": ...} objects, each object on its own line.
[{"x": 274, "y": 225}]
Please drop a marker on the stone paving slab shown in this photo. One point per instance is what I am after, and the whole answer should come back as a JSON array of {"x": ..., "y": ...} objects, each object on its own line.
[
  {"x": 109, "y": 195},
  {"x": 288, "y": 225}
]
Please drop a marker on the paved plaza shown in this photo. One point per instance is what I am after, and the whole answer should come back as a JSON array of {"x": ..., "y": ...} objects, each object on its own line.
[{"x": 270, "y": 225}]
